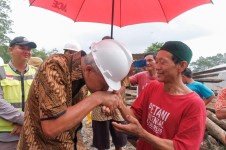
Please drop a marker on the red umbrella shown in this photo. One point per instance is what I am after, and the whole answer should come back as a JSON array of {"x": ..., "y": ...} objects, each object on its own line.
[{"x": 119, "y": 12}]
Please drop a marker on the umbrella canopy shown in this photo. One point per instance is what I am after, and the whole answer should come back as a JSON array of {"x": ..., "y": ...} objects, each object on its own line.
[{"x": 119, "y": 12}]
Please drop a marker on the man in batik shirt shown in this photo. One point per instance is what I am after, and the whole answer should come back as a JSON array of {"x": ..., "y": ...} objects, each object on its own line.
[{"x": 50, "y": 116}]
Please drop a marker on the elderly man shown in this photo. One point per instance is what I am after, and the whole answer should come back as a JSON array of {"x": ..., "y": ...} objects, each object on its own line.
[
  {"x": 50, "y": 118},
  {"x": 15, "y": 81},
  {"x": 167, "y": 115}
]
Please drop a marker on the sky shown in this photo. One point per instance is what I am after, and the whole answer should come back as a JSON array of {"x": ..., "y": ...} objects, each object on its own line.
[{"x": 202, "y": 28}]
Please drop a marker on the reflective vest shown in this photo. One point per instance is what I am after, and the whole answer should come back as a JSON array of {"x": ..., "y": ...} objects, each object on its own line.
[{"x": 15, "y": 88}]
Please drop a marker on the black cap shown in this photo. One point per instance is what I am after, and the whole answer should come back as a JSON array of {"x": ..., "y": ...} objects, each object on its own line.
[{"x": 20, "y": 40}]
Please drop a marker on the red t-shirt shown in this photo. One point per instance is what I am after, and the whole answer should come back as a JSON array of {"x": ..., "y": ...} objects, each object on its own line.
[
  {"x": 141, "y": 79},
  {"x": 180, "y": 118}
]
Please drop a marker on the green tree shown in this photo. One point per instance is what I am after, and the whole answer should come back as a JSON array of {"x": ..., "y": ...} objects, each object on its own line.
[
  {"x": 53, "y": 51},
  {"x": 5, "y": 22},
  {"x": 154, "y": 48},
  {"x": 43, "y": 53},
  {"x": 39, "y": 53},
  {"x": 205, "y": 63},
  {"x": 4, "y": 53}
]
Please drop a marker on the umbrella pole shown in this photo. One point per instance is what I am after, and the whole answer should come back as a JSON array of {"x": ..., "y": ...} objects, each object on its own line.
[{"x": 112, "y": 17}]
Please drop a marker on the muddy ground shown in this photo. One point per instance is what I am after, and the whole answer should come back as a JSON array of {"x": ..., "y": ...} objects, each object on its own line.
[{"x": 88, "y": 136}]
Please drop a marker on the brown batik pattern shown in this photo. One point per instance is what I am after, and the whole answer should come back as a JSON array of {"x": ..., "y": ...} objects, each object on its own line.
[{"x": 49, "y": 97}]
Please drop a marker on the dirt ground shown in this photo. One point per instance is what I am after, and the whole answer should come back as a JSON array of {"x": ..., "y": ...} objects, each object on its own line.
[{"x": 88, "y": 137}]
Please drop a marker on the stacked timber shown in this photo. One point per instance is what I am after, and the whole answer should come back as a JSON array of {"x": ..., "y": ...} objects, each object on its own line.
[
  {"x": 131, "y": 94},
  {"x": 215, "y": 135}
]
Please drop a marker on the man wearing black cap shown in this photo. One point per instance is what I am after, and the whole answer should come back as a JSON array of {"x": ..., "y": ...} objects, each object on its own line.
[
  {"x": 15, "y": 80},
  {"x": 167, "y": 114}
]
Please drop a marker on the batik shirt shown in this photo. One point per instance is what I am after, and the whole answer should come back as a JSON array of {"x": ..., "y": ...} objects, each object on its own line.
[{"x": 58, "y": 78}]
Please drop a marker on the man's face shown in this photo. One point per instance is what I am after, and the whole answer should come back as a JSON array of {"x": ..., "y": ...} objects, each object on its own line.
[
  {"x": 166, "y": 69},
  {"x": 69, "y": 52},
  {"x": 95, "y": 81},
  {"x": 20, "y": 52},
  {"x": 150, "y": 63}
]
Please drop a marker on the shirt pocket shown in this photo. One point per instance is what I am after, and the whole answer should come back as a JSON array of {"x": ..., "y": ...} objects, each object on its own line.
[{"x": 11, "y": 90}]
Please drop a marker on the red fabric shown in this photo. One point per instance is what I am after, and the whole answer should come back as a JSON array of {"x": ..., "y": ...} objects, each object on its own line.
[
  {"x": 221, "y": 100},
  {"x": 180, "y": 118},
  {"x": 126, "y": 12},
  {"x": 142, "y": 79}
]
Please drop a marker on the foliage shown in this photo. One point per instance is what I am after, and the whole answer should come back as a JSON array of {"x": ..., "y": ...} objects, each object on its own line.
[
  {"x": 43, "y": 53},
  {"x": 154, "y": 48},
  {"x": 4, "y": 53},
  {"x": 205, "y": 63},
  {"x": 5, "y": 22}
]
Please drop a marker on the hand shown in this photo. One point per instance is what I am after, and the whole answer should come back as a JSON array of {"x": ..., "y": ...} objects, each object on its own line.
[
  {"x": 107, "y": 111},
  {"x": 133, "y": 127},
  {"x": 110, "y": 100},
  {"x": 17, "y": 129}
]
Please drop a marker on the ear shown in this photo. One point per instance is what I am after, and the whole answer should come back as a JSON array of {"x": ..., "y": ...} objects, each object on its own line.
[
  {"x": 88, "y": 69},
  {"x": 182, "y": 66},
  {"x": 10, "y": 50}
]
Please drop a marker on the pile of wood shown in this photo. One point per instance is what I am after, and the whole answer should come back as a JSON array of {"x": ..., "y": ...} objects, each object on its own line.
[{"x": 215, "y": 135}]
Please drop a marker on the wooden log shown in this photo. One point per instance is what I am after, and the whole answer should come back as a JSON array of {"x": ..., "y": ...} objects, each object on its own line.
[
  {"x": 210, "y": 80},
  {"x": 209, "y": 71},
  {"x": 215, "y": 131},
  {"x": 212, "y": 116}
]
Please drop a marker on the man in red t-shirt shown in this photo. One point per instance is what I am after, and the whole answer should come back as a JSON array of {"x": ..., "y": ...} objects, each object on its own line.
[
  {"x": 143, "y": 78},
  {"x": 167, "y": 114}
]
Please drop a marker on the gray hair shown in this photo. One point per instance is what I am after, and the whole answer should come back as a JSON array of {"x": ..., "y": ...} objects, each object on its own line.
[{"x": 90, "y": 61}]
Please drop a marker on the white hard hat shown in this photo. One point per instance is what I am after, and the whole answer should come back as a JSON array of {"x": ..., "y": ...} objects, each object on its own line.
[
  {"x": 113, "y": 60},
  {"x": 73, "y": 47},
  {"x": 1, "y": 61}
]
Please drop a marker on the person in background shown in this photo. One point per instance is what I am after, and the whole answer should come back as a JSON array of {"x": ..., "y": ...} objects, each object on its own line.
[
  {"x": 70, "y": 48},
  {"x": 167, "y": 115},
  {"x": 50, "y": 116},
  {"x": 203, "y": 91},
  {"x": 15, "y": 81},
  {"x": 102, "y": 126},
  {"x": 220, "y": 105},
  {"x": 142, "y": 79},
  {"x": 101, "y": 123},
  {"x": 35, "y": 61}
]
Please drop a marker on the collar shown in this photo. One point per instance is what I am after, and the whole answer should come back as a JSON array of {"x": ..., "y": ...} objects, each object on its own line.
[{"x": 15, "y": 69}]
